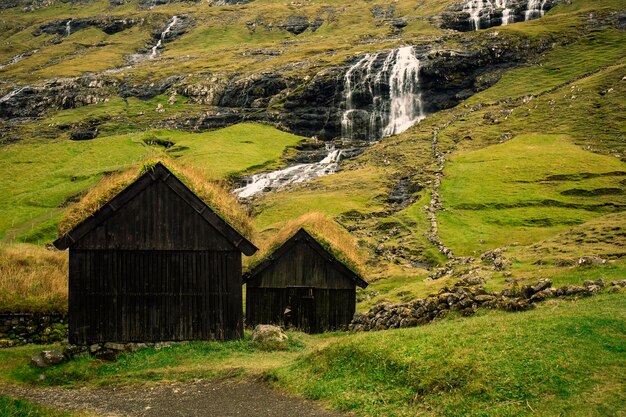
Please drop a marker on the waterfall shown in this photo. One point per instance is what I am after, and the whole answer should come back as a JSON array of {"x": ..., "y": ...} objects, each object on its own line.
[
  {"x": 382, "y": 95},
  {"x": 486, "y": 9},
  {"x": 168, "y": 28},
  {"x": 359, "y": 76},
  {"x": 405, "y": 97},
  {"x": 535, "y": 9},
  {"x": 271, "y": 181},
  {"x": 68, "y": 28},
  {"x": 506, "y": 12},
  {"x": 475, "y": 8}
]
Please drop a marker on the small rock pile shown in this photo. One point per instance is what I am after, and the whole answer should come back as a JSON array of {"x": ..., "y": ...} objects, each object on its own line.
[{"x": 465, "y": 298}]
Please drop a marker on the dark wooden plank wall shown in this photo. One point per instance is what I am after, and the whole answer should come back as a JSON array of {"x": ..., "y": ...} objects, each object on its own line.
[
  {"x": 301, "y": 266},
  {"x": 156, "y": 219},
  {"x": 267, "y": 294},
  {"x": 154, "y": 271},
  {"x": 128, "y": 296},
  {"x": 334, "y": 308}
]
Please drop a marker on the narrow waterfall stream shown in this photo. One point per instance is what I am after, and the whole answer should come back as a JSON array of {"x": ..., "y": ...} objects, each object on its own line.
[
  {"x": 535, "y": 9},
  {"x": 68, "y": 28},
  {"x": 155, "y": 49},
  {"x": 381, "y": 97}
]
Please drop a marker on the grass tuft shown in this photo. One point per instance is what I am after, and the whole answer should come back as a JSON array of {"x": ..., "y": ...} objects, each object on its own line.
[{"x": 32, "y": 279}]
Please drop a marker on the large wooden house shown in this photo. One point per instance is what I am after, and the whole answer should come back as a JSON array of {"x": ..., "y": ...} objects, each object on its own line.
[
  {"x": 155, "y": 263},
  {"x": 302, "y": 285}
]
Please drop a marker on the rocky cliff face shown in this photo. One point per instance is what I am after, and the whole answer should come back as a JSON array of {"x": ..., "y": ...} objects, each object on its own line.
[
  {"x": 473, "y": 14},
  {"x": 310, "y": 106}
]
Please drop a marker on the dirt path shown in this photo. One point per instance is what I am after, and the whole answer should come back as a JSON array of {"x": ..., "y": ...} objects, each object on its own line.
[{"x": 203, "y": 398}]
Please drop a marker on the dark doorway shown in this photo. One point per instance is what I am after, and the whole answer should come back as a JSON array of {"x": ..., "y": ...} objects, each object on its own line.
[{"x": 302, "y": 302}]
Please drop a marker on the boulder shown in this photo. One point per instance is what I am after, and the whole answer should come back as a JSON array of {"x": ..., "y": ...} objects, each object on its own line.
[
  {"x": 591, "y": 260},
  {"x": 84, "y": 134},
  {"x": 267, "y": 334},
  {"x": 47, "y": 358}
]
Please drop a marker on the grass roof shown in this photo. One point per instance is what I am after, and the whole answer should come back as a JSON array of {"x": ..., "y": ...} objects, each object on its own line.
[
  {"x": 217, "y": 197},
  {"x": 328, "y": 233}
]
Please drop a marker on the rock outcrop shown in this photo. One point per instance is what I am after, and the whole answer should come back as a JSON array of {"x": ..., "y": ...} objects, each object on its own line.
[
  {"x": 466, "y": 298},
  {"x": 109, "y": 25},
  {"x": 458, "y": 15}
]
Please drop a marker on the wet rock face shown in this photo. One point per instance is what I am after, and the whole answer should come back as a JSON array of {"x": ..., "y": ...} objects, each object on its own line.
[
  {"x": 314, "y": 110},
  {"x": 255, "y": 91},
  {"x": 108, "y": 25},
  {"x": 62, "y": 93},
  {"x": 295, "y": 24},
  {"x": 457, "y": 17}
]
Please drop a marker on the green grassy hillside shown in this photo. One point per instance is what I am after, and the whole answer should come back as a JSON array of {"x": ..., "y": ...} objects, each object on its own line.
[
  {"x": 567, "y": 358},
  {"x": 534, "y": 162}
]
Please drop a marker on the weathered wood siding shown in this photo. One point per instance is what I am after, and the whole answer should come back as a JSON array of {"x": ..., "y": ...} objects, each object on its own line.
[
  {"x": 286, "y": 282},
  {"x": 333, "y": 309},
  {"x": 156, "y": 219},
  {"x": 154, "y": 271}
]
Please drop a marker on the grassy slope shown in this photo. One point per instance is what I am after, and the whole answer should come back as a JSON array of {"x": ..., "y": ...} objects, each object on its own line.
[
  {"x": 40, "y": 176},
  {"x": 510, "y": 193},
  {"x": 565, "y": 358},
  {"x": 219, "y": 33},
  {"x": 182, "y": 362}
]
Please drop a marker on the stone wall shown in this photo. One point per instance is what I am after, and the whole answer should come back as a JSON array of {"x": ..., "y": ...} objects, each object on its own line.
[
  {"x": 22, "y": 328},
  {"x": 465, "y": 298}
]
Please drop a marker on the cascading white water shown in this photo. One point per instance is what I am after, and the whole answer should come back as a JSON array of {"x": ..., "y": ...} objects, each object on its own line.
[
  {"x": 506, "y": 12},
  {"x": 155, "y": 49},
  {"x": 484, "y": 9},
  {"x": 271, "y": 181},
  {"x": 68, "y": 28},
  {"x": 475, "y": 8},
  {"x": 382, "y": 99},
  {"x": 358, "y": 77},
  {"x": 405, "y": 97},
  {"x": 535, "y": 9}
]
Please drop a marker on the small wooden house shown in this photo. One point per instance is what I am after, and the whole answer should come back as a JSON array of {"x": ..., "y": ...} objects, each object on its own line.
[
  {"x": 155, "y": 263},
  {"x": 302, "y": 284}
]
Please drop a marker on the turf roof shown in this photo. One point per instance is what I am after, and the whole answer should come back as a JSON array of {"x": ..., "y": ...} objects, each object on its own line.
[
  {"x": 213, "y": 194},
  {"x": 328, "y": 233}
]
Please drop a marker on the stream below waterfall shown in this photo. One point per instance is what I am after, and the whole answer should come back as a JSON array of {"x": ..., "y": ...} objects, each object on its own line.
[{"x": 381, "y": 97}]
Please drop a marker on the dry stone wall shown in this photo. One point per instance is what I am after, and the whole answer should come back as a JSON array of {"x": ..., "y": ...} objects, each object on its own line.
[
  {"x": 466, "y": 297},
  {"x": 22, "y": 328}
]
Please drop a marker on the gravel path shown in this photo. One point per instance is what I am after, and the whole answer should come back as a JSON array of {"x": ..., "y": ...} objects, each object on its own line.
[{"x": 202, "y": 398}]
